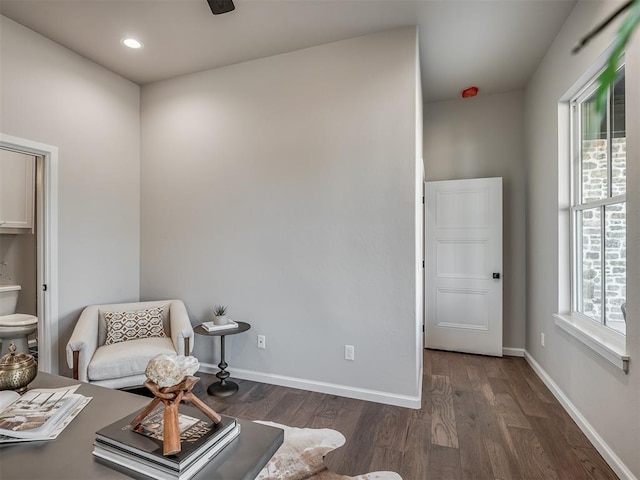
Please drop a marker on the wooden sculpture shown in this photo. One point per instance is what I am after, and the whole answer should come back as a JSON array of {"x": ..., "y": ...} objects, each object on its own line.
[{"x": 171, "y": 397}]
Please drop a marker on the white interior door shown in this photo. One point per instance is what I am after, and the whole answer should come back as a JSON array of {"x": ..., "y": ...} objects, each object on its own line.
[{"x": 463, "y": 245}]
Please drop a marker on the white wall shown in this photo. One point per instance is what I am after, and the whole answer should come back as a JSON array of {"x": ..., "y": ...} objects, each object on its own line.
[
  {"x": 484, "y": 137},
  {"x": 285, "y": 189},
  {"x": 607, "y": 399},
  {"x": 50, "y": 95}
]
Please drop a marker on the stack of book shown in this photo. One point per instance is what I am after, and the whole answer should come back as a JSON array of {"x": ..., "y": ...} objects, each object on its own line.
[
  {"x": 212, "y": 327},
  {"x": 139, "y": 448},
  {"x": 39, "y": 414}
]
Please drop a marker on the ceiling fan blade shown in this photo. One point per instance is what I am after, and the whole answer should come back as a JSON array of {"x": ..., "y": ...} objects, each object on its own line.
[{"x": 221, "y": 6}]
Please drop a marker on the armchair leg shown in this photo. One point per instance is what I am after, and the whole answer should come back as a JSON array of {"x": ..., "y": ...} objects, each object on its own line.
[
  {"x": 76, "y": 359},
  {"x": 186, "y": 347}
]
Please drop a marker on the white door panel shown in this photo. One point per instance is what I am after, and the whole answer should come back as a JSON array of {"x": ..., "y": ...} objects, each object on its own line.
[
  {"x": 463, "y": 251},
  {"x": 467, "y": 208},
  {"x": 461, "y": 258},
  {"x": 453, "y": 304}
]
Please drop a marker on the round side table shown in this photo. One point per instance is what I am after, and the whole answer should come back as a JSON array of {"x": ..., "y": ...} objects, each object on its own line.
[{"x": 224, "y": 387}]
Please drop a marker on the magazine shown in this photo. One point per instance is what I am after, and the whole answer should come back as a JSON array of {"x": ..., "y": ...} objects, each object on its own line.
[
  {"x": 56, "y": 430},
  {"x": 7, "y": 397},
  {"x": 39, "y": 412}
]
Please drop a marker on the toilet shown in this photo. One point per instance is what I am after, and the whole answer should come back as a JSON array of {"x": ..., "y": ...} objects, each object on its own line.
[{"x": 14, "y": 327}]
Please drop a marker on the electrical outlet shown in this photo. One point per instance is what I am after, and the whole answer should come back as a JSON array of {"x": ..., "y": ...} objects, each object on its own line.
[
  {"x": 542, "y": 339},
  {"x": 262, "y": 341},
  {"x": 349, "y": 352}
]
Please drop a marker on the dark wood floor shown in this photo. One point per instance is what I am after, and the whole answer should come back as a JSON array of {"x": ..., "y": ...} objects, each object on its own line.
[{"x": 481, "y": 418}]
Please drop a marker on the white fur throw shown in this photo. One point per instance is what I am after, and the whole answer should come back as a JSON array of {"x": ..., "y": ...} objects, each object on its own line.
[{"x": 301, "y": 456}]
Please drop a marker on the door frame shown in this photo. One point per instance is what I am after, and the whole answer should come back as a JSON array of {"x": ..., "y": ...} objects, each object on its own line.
[{"x": 47, "y": 248}]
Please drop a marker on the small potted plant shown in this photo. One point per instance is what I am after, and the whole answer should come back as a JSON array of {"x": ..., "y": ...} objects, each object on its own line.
[{"x": 220, "y": 315}]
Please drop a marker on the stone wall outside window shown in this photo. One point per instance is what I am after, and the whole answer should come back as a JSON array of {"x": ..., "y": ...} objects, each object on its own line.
[{"x": 594, "y": 184}]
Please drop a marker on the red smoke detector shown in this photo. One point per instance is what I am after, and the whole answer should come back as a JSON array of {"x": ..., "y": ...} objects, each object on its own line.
[{"x": 469, "y": 92}]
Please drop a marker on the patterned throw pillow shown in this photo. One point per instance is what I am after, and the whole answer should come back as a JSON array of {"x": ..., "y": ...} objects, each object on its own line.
[{"x": 124, "y": 326}]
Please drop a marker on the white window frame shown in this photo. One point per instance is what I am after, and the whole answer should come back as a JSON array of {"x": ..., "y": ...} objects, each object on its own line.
[
  {"x": 604, "y": 340},
  {"x": 577, "y": 206}
]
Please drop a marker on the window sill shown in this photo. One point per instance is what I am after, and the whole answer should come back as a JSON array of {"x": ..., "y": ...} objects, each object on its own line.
[{"x": 609, "y": 345}]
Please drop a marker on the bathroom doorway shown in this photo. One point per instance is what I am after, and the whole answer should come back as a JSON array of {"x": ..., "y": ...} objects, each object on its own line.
[
  {"x": 45, "y": 243},
  {"x": 18, "y": 249}
]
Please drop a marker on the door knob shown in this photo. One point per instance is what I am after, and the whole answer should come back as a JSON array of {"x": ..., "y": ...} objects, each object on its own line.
[{"x": 496, "y": 276}]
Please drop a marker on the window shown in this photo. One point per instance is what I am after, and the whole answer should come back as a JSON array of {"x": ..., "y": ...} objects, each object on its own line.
[{"x": 598, "y": 207}]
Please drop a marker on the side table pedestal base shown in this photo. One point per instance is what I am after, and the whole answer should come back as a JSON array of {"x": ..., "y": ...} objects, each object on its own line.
[{"x": 222, "y": 389}]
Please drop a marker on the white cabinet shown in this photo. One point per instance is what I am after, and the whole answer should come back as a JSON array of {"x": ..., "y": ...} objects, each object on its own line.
[{"x": 17, "y": 192}]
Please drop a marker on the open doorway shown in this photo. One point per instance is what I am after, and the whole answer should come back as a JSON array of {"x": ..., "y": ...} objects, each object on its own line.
[
  {"x": 18, "y": 251},
  {"x": 46, "y": 245}
]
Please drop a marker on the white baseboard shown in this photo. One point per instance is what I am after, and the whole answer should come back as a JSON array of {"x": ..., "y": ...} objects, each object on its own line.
[
  {"x": 513, "y": 352},
  {"x": 321, "y": 387},
  {"x": 603, "y": 448}
]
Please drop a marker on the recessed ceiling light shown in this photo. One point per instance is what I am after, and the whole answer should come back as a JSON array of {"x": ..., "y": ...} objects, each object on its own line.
[{"x": 132, "y": 43}]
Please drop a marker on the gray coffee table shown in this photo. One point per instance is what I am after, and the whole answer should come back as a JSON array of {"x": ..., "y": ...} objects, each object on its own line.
[{"x": 69, "y": 456}]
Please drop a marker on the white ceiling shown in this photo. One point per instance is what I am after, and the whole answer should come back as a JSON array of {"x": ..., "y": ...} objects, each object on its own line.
[{"x": 494, "y": 44}]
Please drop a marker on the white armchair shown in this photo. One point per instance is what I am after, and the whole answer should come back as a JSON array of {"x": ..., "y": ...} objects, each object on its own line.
[{"x": 122, "y": 364}]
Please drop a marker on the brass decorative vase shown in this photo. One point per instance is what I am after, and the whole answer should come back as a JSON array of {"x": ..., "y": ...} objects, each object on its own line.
[{"x": 17, "y": 370}]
